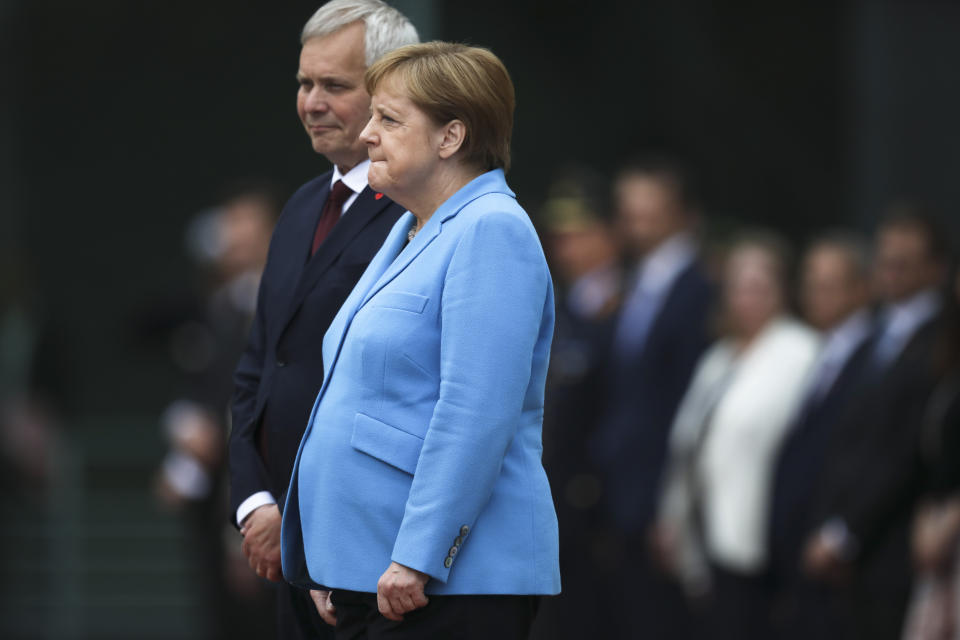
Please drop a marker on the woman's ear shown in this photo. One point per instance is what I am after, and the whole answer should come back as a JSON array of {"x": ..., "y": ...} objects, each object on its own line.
[{"x": 453, "y": 135}]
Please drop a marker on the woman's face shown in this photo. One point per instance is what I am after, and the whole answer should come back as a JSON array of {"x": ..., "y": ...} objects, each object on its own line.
[
  {"x": 751, "y": 292},
  {"x": 403, "y": 144}
]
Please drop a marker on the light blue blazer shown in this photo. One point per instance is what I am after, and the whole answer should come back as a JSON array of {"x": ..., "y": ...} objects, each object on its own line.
[{"x": 424, "y": 445}]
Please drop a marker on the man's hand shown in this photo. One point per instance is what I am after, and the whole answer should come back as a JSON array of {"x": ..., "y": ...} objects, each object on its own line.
[
  {"x": 261, "y": 541},
  {"x": 824, "y": 561},
  {"x": 324, "y": 606},
  {"x": 399, "y": 590},
  {"x": 664, "y": 543}
]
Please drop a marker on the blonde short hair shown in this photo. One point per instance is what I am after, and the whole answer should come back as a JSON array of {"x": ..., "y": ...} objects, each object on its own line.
[{"x": 450, "y": 81}]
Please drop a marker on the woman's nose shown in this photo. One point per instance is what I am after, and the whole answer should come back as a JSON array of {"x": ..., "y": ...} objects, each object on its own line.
[{"x": 366, "y": 136}]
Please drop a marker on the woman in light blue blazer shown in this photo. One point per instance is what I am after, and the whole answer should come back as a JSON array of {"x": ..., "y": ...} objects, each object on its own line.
[{"x": 418, "y": 505}]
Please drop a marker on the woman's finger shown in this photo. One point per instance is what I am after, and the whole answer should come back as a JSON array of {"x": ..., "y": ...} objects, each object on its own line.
[
  {"x": 420, "y": 599},
  {"x": 386, "y": 610},
  {"x": 403, "y": 602},
  {"x": 327, "y": 611}
]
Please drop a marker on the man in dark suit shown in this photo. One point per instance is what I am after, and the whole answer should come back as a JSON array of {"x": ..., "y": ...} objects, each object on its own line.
[
  {"x": 660, "y": 332},
  {"x": 325, "y": 238},
  {"x": 868, "y": 492},
  {"x": 584, "y": 260},
  {"x": 835, "y": 295}
]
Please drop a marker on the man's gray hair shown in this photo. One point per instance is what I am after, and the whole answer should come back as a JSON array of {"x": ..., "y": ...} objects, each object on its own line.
[{"x": 386, "y": 28}]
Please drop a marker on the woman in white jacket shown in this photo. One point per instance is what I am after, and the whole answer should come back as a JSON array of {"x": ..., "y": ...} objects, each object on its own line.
[{"x": 744, "y": 394}]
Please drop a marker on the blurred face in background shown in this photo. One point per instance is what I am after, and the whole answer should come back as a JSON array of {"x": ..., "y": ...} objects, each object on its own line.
[
  {"x": 752, "y": 291},
  {"x": 904, "y": 264},
  {"x": 245, "y": 226},
  {"x": 577, "y": 251},
  {"x": 332, "y": 102},
  {"x": 831, "y": 287},
  {"x": 648, "y": 212}
]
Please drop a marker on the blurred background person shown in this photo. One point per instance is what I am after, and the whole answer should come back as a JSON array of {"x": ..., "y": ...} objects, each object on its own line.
[
  {"x": 229, "y": 244},
  {"x": 935, "y": 542},
  {"x": 835, "y": 299},
  {"x": 712, "y": 525},
  {"x": 32, "y": 390},
  {"x": 585, "y": 262},
  {"x": 871, "y": 482},
  {"x": 326, "y": 236},
  {"x": 659, "y": 332}
]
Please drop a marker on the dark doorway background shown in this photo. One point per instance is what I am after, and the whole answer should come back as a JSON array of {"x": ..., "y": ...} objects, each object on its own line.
[
  {"x": 120, "y": 120},
  {"x": 124, "y": 119}
]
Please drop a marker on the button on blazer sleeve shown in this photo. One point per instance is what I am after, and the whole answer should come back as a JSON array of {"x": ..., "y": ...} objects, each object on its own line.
[{"x": 495, "y": 295}]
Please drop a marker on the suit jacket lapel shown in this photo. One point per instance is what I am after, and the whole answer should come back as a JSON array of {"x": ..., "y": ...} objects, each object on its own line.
[
  {"x": 393, "y": 258},
  {"x": 663, "y": 318},
  {"x": 420, "y": 241},
  {"x": 490, "y": 182},
  {"x": 333, "y": 339},
  {"x": 361, "y": 212}
]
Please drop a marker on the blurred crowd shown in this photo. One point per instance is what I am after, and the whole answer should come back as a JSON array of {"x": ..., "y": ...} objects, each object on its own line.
[{"x": 748, "y": 436}]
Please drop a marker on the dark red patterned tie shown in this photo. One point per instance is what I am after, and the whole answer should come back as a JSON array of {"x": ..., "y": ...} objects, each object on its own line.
[{"x": 332, "y": 211}]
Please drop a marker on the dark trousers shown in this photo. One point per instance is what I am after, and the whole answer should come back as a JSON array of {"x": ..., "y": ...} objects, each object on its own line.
[
  {"x": 805, "y": 609},
  {"x": 740, "y": 607},
  {"x": 618, "y": 592},
  {"x": 444, "y": 618},
  {"x": 297, "y": 617}
]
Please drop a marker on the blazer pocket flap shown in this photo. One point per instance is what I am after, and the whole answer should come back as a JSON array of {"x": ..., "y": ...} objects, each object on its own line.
[
  {"x": 401, "y": 300},
  {"x": 386, "y": 443}
]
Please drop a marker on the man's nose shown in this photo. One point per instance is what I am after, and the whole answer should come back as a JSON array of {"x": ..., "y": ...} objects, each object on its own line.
[{"x": 316, "y": 100}]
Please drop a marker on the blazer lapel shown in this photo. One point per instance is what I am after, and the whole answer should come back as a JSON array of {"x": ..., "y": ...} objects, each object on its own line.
[
  {"x": 420, "y": 241},
  {"x": 393, "y": 245},
  {"x": 490, "y": 182},
  {"x": 361, "y": 212}
]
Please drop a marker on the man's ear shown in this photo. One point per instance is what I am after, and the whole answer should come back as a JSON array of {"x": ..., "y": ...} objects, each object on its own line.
[{"x": 453, "y": 135}]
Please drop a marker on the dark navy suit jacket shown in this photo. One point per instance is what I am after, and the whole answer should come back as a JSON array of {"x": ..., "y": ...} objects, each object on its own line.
[
  {"x": 801, "y": 462},
  {"x": 873, "y": 472},
  {"x": 643, "y": 392},
  {"x": 281, "y": 370}
]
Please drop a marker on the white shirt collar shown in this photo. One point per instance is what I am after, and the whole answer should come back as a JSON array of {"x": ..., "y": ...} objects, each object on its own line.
[
  {"x": 841, "y": 341},
  {"x": 904, "y": 318},
  {"x": 662, "y": 266},
  {"x": 356, "y": 179},
  {"x": 591, "y": 292}
]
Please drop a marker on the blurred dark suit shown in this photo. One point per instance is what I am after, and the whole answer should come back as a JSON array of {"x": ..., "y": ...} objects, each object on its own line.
[
  {"x": 805, "y": 609},
  {"x": 281, "y": 370},
  {"x": 570, "y": 413},
  {"x": 872, "y": 481},
  {"x": 642, "y": 390}
]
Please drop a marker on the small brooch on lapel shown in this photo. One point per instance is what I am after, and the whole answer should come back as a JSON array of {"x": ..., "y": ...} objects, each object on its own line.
[{"x": 377, "y": 196}]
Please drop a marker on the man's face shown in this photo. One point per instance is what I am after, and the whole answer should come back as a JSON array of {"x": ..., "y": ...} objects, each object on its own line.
[
  {"x": 332, "y": 102},
  {"x": 831, "y": 289},
  {"x": 577, "y": 251},
  {"x": 904, "y": 266},
  {"x": 647, "y": 212}
]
